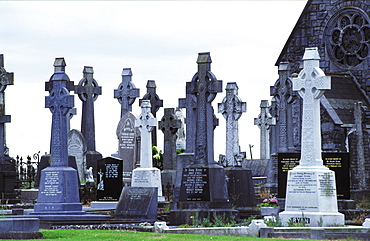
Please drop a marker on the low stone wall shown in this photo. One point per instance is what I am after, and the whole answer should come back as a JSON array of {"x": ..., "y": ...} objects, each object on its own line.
[{"x": 223, "y": 231}]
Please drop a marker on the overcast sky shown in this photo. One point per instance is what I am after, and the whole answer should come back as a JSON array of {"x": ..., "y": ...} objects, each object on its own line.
[{"x": 158, "y": 40}]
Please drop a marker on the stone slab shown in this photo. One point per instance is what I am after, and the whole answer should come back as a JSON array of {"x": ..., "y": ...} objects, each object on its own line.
[{"x": 103, "y": 205}]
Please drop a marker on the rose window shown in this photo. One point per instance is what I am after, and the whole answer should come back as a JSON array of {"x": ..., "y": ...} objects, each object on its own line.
[{"x": 349, "y": 38}]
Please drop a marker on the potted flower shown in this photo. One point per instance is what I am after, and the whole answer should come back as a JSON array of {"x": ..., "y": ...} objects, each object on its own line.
[{"x": 269, "y": 207}]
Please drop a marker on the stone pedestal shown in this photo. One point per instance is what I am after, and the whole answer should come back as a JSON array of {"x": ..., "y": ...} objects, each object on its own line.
[
  {"x": 240, "y": 187},
  {"x": 7, "y": 182},
  {"x": 311, "y": 195},
  {"x": 148, "y": 177},
  {"x": 58, "y": 193}
]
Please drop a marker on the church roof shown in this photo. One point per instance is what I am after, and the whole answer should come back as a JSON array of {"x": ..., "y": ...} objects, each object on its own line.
[{"x": 342, "y": 96}]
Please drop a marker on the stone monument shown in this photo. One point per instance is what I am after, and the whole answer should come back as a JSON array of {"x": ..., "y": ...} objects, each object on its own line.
[
  {"x": 240, "y": 184},
  {"x": 155, "y": 103},
  {"x": 203, "y": 191},
  {"x": 146, "y": 175},
  {"x": 126, "y": 93},
  {"x": 58, "y": 192},
  {"x": 311, "y": 192},
  {"x": 7, "y": 165},
  {"x": 169, "y": 125},
  {"x": 128, "y": 145},
  {"x": 264, "y": 121},
  {"x": 77, "y": 148},
  {"x": 88, "y": 91}
]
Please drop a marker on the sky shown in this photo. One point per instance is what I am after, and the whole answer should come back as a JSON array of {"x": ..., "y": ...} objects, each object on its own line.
[{"x": 158, "y": 40}]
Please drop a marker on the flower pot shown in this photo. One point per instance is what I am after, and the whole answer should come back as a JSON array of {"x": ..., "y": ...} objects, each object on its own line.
[{"x": 269, "y": 211}]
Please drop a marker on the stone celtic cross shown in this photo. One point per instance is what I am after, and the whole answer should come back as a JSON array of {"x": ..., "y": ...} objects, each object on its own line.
[
  {"x": 169, "y": 125},
  {"x": 146, "y": 123},
  {"x": 232, "y": 108},
  {"x": 264, "y": 121},
  {"x": 204, "y": 87},
  {"x": 126, "y": 93},
  {"x": 6, "y": 79},
  {"x": 311, "y": 84},
  {"x": 155, "y": 103},
  {"x": 59, "y": 102},
  {"x": 88, "y": 91}
]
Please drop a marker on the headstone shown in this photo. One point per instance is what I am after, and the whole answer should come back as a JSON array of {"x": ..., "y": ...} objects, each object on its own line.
[
  {"x": 146, "y": 175},
  {"x": 58, "y": 192},
  {"x": 203, "y": 187},
  {"x": 311, "y": 187},
  {"x": 264, "y": 121},
  {"x": 138, "y": 204},
  {"x": 232, "y": 108},
  {"x": 128, "y": 145},
  {"x": 155, "y": 103},
  {"x": 77, "y": 148},
  {"x": 88, "y": 91},
  {"x": 7, "y": 164},
  {"x": 181, "y": 137},
  {"x": 126, "y": 93},
  {"x": 110, "y": 179},
  {"x": 240, "y": 184}
]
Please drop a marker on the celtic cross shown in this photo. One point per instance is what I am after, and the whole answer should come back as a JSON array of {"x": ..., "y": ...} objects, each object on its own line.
[
  {"x": 232, "y": 108},
  {"x": 88, "y": 91},
  {"x": 204, "y": 87},
  {"x": 126, "y": 93},
  {"x": 59, "y": 102},
  {"x": 311, "y": 84}
]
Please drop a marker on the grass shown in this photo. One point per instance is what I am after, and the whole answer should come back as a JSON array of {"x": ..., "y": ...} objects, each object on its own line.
[{"x": 114, "y": 235}]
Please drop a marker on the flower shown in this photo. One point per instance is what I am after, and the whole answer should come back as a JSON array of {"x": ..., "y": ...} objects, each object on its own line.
[{"x": 269, "y": 202}]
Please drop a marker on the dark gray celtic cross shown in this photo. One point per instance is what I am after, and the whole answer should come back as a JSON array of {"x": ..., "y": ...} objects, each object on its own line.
[
  {"x": 5, "y": 80},
  {"x": 204, "y": 87},
  {"x": 155, "y": 102},
  {"x": 169, "y": 125},
  {"x": 59, "y": 102},
  {"x": 126, "y": 92},
  {"x": 88, "y": 91}
]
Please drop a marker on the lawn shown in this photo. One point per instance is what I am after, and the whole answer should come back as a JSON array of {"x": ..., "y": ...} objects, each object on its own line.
[{"x": 113, "y": 235}]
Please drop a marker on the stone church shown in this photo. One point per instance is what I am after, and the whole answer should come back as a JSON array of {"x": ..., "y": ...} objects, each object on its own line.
[{"x": 341, "y": 31}]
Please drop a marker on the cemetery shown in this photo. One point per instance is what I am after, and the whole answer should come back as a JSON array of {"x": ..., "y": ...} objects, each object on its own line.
[{"x": 311, "y": 180}]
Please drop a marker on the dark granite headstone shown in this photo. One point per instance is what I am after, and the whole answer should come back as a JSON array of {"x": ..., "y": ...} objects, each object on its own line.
[
  {"x": 110, "y": 186},
  {"x": 88, "y": 91},
  {"x": 335, "y": 161},
  {"x": 138, "y": 203},
  {"x": 128, "y": 145}
]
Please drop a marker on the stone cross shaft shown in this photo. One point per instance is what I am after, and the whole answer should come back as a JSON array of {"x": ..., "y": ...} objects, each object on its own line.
[
  {"x": 311, "y": 84},
  {"x": 232, "y": 108},
  {"x": 264, "y": 121},
  {"x": 204, "y": 87},
  {"x": 88, "y": 91},
  {"x": 169, "y": 125},
  {"x": 155, "y": 103},
  {"x": 190, "y": 104},
  {"x": 59, "y": 102},
  {"x": 146, "y": 123},
  {"x": 126, "y": 93},
  {"x": 6, "y": 79}
]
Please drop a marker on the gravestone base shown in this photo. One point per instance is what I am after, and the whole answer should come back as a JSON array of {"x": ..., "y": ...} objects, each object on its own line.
[
  {"x": 58, "y": 193},
  {"x": 7, "y": 181},
  {"x": 189, "y": 216},
  {"x": 148, "y": 177},
  {"x": 168, "y": 182},
  {"x": 240, "y": 187},
  {"x": 311, "y": 195},
  {"x": 92, "y": 158}
]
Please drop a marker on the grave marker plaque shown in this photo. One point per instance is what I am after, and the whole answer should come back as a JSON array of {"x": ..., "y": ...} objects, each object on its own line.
[
  {"x": 195, "y": 185},
  {"x": 138, "y": 203},
  {"x": 111, "y": 171}
]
